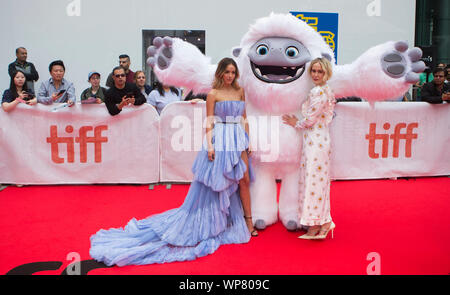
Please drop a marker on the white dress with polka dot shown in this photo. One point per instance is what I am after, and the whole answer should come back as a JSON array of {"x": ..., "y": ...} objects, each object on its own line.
[{"x": 315, "y": 177}]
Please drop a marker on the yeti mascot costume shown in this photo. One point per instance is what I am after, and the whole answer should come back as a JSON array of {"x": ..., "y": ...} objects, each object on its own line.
[{"x": 273, "y": 58}]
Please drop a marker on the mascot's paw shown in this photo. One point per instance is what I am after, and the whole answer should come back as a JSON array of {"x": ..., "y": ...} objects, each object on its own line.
[
  {"x": 160, "y": 53},
  {"x": 394, "y": 62},
  {"x": 260, "y": 224},
  {"x": 291, "y": 225}
]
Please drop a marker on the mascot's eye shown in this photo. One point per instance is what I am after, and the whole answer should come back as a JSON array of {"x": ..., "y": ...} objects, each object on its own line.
[
  {"x": 291, "y": 51},
  {"x": 262, "y": 49}
]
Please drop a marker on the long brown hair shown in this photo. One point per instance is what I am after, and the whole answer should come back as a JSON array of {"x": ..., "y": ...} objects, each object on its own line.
[{"x": 221, "y": 67}]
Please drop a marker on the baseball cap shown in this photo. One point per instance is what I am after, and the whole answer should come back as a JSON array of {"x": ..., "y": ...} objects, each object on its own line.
[{"x": 92, "y": 73}]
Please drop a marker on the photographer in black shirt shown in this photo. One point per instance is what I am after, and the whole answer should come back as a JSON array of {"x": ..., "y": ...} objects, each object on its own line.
[
  {"x": 122, "y": 93},
  {"x": 436, "y": 91}
]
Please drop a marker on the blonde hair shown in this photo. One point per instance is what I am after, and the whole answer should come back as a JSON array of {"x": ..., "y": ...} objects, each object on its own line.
[
  {"x": 326, "y": 67},
  {"x": 136, "y": 74},
  {"x": 221, "y": 68}
]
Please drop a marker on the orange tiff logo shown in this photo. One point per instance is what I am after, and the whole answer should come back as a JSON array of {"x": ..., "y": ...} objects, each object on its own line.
[
  {"x": 408, "y": 136},
  {"x": 83, "y": 139}
]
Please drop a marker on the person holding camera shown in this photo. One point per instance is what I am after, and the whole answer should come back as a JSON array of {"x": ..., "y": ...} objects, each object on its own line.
[
  {"x": 95, "y": 93},
  {"x": 56, "y": 89},
  {"x": 436, "y": 91},
  {"x": 18, "y": 92},
  {"x": 122, "y": 93}
]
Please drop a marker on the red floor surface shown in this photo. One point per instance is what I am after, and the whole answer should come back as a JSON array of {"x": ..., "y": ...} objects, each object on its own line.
[{"x": 404, "y": 222}]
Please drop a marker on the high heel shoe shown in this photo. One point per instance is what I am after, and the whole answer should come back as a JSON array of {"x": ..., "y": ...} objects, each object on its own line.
[
  {"x": 309, "y": 236},
  {"x": 306, "y": 237},
  {"x": 254, "y": 232},
  {"x": 323, "y": 233}
]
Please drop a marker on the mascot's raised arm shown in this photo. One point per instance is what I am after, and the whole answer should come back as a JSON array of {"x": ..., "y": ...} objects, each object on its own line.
[{"x": 272, "y": 58}]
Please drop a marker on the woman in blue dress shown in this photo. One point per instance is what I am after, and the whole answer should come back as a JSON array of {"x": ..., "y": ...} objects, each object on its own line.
[{"x": 216, "y": 210}]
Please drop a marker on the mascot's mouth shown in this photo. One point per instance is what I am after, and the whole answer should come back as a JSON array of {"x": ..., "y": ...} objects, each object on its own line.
[{"x": 277, "y": 74}]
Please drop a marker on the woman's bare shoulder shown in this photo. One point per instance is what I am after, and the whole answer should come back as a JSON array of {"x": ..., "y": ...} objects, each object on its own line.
[
  {"x": 212, "y": 92},
  {"x": 212, "y": 95},
  {"x": 242, "y": 93}
]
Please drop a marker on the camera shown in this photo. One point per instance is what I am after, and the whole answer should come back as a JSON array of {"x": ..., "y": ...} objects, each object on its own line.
[{"x": 28, "y": 96}]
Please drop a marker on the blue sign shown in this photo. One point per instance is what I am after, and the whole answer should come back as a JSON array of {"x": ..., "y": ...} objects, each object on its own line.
[{"x": 324, "y": 23}]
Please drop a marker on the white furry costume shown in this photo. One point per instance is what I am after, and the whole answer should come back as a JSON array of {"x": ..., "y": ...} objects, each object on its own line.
[{"x": 385, "y": 71}]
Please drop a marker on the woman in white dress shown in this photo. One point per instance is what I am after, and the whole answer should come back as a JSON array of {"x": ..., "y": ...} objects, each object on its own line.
[{"x": 315, "y": 181}]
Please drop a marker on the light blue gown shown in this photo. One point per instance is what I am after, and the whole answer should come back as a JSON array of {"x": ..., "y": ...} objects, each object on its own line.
[{"x": 210, "y": 216}]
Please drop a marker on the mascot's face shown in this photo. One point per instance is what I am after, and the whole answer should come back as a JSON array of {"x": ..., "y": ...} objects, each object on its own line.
[
  {"x": 272, "y": 59},
  {"x": 278, "y": 59}
]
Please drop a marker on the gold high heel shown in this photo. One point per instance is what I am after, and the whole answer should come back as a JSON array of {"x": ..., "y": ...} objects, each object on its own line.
[
  {"x": 306, "y": 237},
  {"x": 325, "y": 232},
  {"x": 309, "y": 237}
]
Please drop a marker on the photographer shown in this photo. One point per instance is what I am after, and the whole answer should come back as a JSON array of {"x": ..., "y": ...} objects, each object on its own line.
[
  {"x": 56, "y": 89},
  {"x": 17, "y": 93},
  {"x": 122, "y": 93},
  {"x": 436, "y": 91}
]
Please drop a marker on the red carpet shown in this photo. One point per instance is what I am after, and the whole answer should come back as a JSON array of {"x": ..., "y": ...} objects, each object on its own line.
[{"x": 405, "y": 221}]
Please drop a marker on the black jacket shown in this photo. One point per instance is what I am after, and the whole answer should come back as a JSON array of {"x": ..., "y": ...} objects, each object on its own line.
[
  {"x": 431, "y": 94},
  {"x": 33, "y": 76},
  {"x": 113, "y": 97}
]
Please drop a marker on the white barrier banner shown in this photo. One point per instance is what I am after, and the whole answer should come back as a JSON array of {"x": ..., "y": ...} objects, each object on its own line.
[
  {"x": 81, "y": 144},
  {"x": 392, "y": 139},
  {"x": 84, "y": 144},
  {"x": 182, "y": 134}
]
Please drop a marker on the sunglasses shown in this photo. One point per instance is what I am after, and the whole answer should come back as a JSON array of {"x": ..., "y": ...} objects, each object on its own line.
[{"x": 120, "y": 75}]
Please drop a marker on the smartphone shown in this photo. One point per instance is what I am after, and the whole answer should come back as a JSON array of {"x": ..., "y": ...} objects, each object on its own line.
[
  {"x": 61, "y": 92},
  {"x": 28, "y": 96},
  {"x": 130, "y": 94}
]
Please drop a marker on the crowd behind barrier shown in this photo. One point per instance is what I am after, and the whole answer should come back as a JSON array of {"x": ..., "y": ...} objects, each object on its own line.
[
  {"x": 53, "y": 144},
  {"x": 47, "y": 136},
  {"x": 83, "y": 144},
  {"x": 58, "y": 89}
]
